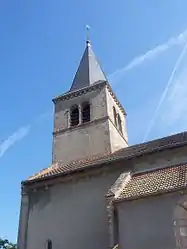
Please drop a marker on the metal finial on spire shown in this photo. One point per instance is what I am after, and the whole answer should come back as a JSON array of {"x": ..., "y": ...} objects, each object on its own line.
[
  {"x": 89, "y": 71},
  {"x": 87, "y": 34}
]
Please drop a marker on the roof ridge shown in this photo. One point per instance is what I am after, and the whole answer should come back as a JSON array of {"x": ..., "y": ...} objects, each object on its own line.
[
  {"x": 87, "y": 159},
  {"x": 162, "y": 138},
  {"x": 57, "y": 164},
  {"x": 122, "y": 154}
]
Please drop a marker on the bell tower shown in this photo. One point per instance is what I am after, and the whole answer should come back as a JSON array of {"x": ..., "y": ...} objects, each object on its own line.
[{"x": 88, "y": 119}]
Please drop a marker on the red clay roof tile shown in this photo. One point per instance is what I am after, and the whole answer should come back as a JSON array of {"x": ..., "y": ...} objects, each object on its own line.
[
  {"x": 157, "y": 181},
  {"x": 179, "y": 139}
]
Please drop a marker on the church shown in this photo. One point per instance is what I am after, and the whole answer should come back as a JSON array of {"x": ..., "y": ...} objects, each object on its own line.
[{"x": 101, "y": 192}]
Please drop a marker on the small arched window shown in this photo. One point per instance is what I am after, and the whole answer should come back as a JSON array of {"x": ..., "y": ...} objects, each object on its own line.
[
  {"x": 49, "y": 244},
  {"x": 119, "y": 123},
  {"x": 85, "y": 112},
  {"x": 115, "y": 116},
  {"x": 74, "y": 115}
]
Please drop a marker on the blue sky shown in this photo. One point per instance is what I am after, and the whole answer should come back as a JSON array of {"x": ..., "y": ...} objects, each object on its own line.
[{"x": 41, "y": 45}]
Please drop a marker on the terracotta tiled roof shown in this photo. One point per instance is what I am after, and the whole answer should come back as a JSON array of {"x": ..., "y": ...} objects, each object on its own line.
[
  {"x": 155, "y": 145},
  {"x": 158, "y": 181},
  {"x": 179, "y": 139},
  {"x": 59, "y": 167}
]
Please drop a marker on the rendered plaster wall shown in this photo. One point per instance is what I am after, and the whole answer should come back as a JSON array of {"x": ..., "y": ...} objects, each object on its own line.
[
  {"x": 110, "y": 104},
  {"x": 73, "y": 215},
  {"x": 78, "y": 143},
  {"x": 160, "y": 159},
  {"x": 117, "y": 141},
  {"x": 148, "y": 223}
]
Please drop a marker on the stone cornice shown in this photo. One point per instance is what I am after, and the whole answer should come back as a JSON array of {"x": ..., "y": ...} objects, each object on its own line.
[
  {"x": 70, "y": 95},
  {"x": 80, "y": 126},
  {"x": 83, "y": 125},
  {"x": 115, "y": 98}
]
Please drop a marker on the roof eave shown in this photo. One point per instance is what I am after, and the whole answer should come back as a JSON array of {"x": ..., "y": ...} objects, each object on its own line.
[
  {"x": 78, "y": 92},
  {"x": 96, "y": 164},
  {"x": 133, "y": 198},
  {"x": 73, "y": 171}
]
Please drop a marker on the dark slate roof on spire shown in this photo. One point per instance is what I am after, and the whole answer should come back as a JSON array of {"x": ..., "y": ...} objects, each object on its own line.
[{"x": 89, "y": 71}]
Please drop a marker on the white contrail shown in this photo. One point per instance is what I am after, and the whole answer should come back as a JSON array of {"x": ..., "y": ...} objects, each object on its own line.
[
  {"x": 12, "y": 139},
  {"x": 20, "y": 134},
  {"x": 165, "y": 91},
  {"x": 175, "y": 104},
  {"x": 150, "y": 55}
]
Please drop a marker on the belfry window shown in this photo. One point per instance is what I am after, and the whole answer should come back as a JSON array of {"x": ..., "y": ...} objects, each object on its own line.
[
  {"x": 49, "y": 244},
  {"x": 119, "y": 123},
  {"x": 85, "y": 112},
  {"x": 115, "y": 116},
  {"x": 74, "y": 115}
]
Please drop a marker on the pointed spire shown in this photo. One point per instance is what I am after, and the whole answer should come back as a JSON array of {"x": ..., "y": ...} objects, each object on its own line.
[{"x": 89, "y": 71}]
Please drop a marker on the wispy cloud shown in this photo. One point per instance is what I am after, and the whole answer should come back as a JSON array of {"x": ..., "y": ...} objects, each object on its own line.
[
  {"x": 149, "y": 55},
  {"x": 178, "y": 87},
  {"x": 41, "y": 118},
  {"x": 20, "y": 134},
  {"x": 175, "y": 107},
  {"x": 13, "y": 138}
]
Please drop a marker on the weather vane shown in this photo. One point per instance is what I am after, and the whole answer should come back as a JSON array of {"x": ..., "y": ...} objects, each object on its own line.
[{"x": 87, "y": 33}]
